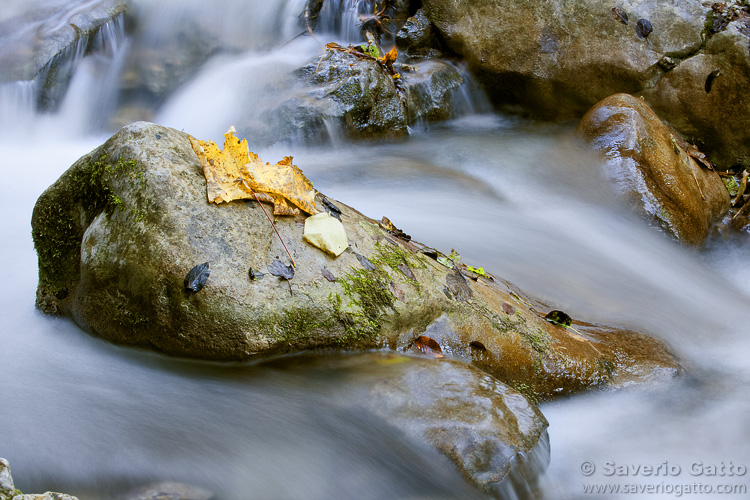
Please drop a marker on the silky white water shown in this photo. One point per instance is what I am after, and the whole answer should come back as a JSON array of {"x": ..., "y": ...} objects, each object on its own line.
[{"x": 517, "y": 197}]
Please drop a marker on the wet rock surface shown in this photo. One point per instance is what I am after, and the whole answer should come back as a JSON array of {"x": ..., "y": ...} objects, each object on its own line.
[
  {"x": 648, "y": 167},
  {"x": 489, "y": 430},
  {"x": 557, "y": 59},
  {"x": 117, "y": 234}
]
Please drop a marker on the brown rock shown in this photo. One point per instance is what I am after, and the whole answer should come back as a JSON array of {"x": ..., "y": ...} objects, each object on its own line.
[
  {"x": 715, "y": 113},
  {"x": 648, "y": 167}
]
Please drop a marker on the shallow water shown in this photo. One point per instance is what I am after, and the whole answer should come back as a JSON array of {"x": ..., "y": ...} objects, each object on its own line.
[{"x": 514, "y": 196}]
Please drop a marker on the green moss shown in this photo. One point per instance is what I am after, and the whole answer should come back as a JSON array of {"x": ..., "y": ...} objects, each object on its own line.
[
  {"x": 526, "y": 390},
  {"x": 367, "y": 300},
  {"x": 295, "y": 325},
  {"x": 392, "y": 256},
  {"x": 125, "y": 317},
  {"x": 63, "y": 212}
]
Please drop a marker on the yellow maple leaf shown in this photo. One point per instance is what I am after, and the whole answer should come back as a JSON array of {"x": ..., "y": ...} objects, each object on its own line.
[
  {"x": 235, "y": 173},
  {"x": 389, "y": 57}
]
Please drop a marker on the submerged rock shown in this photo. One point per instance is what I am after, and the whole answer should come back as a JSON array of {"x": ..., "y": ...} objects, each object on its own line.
[
  {"x": 648, "y": 167},
  {"x": 119, "y": 231},
  {"x": 491, "y": 432}
]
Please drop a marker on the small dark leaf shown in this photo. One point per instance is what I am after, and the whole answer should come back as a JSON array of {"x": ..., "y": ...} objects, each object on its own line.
[
  {"x": 428, "y": 346},
  {"x": 643, "y": 28},
  {"x": 559, "y": 318},
  {"x": 365, "y": 262},
  {"x": 620, "y": 15},
  {"x": 710, "y": 79},
  {"x": 396, "y": 291},
  {"x": 331, "y": 208},
  {"x": 458, "y": 286},
  {"x": 430, "y": 252},
  {"x": 254, "y": 275},
  {"x": 508, "y": 309},
  {"x": 328, "y": 275},
  {"x": 407, "y": 272},
  {"x": 196, "y": 278},
  {"x": 278, "y": 268},
  {"x": 477, "y": 345}
]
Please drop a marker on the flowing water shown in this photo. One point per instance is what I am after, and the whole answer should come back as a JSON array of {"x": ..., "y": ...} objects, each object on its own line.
[{"x": 515, "y": 196}]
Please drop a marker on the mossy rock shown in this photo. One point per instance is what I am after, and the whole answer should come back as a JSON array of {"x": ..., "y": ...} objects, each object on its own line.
[{"x": 118, "y": 232}]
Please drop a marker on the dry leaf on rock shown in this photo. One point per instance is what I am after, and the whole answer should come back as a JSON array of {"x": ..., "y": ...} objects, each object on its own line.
[
  {"x": 428, "y": 346},
  {"x": 234, "y": 173},
  {"x": 326, "y": 233}
]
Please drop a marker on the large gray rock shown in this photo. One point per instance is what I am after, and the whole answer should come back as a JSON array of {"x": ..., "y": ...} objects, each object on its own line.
[
  {"x": 117, "y": 234},
  {"x": 361, "y": 94},
  {"x": 342, "y": 94},
  {"x": 648, "y": 167},
  {"x": 558, "y": 58}
]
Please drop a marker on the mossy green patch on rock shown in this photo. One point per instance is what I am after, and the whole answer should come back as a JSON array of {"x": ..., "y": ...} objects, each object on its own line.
[
  {"x": 63, "y": 213},
  {"x": 366, "y": 300}
]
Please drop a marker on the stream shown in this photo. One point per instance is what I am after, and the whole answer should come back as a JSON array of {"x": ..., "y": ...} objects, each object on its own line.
[{"x": 515, "y": 196}]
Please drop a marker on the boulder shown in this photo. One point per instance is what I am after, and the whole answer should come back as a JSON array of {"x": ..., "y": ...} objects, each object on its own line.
[
  {"x": 118, "y": 233},
  {"x": 418, "y": 37},
  {"x": 489, "y": 430},
  {"x": 649, "y": 167},
  {"x": 706, "y": 95},
  {"x": 342, "y": 94},
  {"x": 557, "y": 59},
  {"x": 361, "y": 93}
]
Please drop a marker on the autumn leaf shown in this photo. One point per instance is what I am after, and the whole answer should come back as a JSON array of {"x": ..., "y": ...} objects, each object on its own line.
[
  {"x": 389, "y": 57},
  {"x": 428, "y": 346},
  {"x": 235, "y": 173}
]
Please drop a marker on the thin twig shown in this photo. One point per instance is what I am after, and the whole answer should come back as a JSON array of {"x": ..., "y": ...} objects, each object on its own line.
[{"x": 272, "y": 225}]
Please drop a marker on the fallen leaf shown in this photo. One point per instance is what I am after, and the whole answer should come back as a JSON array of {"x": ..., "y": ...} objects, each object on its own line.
[
  {"x": 508, "y": 309},
  {"x": 480, "y": 271},
  {"x": 326, "y": 233},
  {"x": 445, "y": 261},
  {"x": 328, "y": 275},
  {"x": 407, "y": 272},
  {"x": 278, "y": 268},
  {"x": 331, "y": 208},
  {"x": 620, "y": 15},
  {"x": 428, "y": 346},
  {"x": 366, "y": 263},
  {"x": 196, "y": 278},
  {"x": 477, "y": 345},
  {"x": 559, "y": 318},
  {"x": 389, "y": 58},
  {"x": 396, "y": 291},
  {"x": 254, "y": 275},
  {"x": 710, "y": 79},
  {"x": 643, "y": 28},
  {"x": 458, "y": 286},
  {"x": 235, "y": 173}
]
